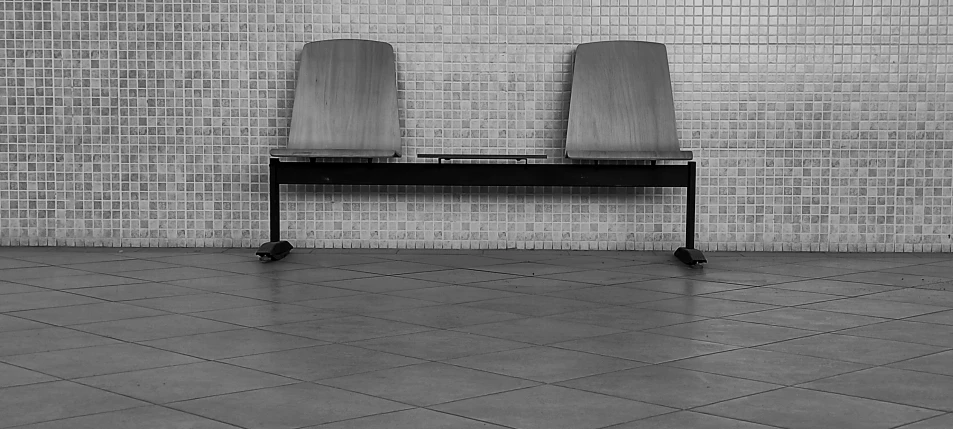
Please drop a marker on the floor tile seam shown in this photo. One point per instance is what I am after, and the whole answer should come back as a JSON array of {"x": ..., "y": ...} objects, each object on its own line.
[
  {"x": 588, "y": 300},
  {"x": 350, "y": 342},
  {"x": 317, "y": 380},
  {"x": 805, "y": 307},
  {"x": 812, "y": 334},
  {"x": 75, "y": 328},
  {"x": 321, "y": 343},
  {"x": 775, "y": 307},
  {"x": 319, "y": 426},
  {"x": 842, "y": 296},
  {"x": 832, "y": 298},
  {"x": 234, "y": 293},
  {"x": 616, "y": 396},
  {"x": 838, "y": 359},
  {"x": 166, "y": 404},
  {"x": 922, "y": 371},
  {"x": 123, "y": 371},
  {"x": 835, "y": 330},
  {"x": 704, "y": 413},
  {"x": 922, "y": 407},
  {"x": 421, "y": 406},
  {"x": 644, "y": 363},
  {"x": 903, "y": 425},
  {"x": 447, "y": 328},
  {"x": 187, "y": 313},
  {"x": 945, "y": 306},
  {"x": 395, "y": 292},
  {"x": 708, "y": 413},
  {"x": 671, "y": 362},
  {"x": 81, "y": 415},
  {"x": 840, "y": 332},
  {"x": 165, "y": 313}
]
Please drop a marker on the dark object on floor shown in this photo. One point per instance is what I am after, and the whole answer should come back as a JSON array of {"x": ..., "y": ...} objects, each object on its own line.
[
  {"x": 690, "y": 256},
  {"x": 273, "y": 250}
]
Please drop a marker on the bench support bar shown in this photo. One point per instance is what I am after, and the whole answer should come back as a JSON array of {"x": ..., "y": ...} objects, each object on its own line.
[{"x": 434, "y": 174}]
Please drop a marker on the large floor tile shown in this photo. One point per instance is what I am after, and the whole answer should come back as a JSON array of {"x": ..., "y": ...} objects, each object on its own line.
[
  {"x": 13, "y": 376},
  {"x": 530, "y": 285},
  {"x": 439, "y": 345},
  {"x": 57, "y": 400},
  {"x": 601, "y": 277},
  {"x": 229, "y": 282},
  {"x": 447, "y": 316},
  {"x": 234, "y": 343},
  {"x": 744, "y": 278},
  {"x": 849, "y": 348},
  {"x": 153, "y": 328},
  {"x": 940, "y": 363},
  {"x": 292, "y": 293},
  {"x": 684, "y": 286},
  {"x": 613, "y": 295},
  {"x": 7, "y": 288},
  {"x": 534, "y": 305},
  {"x": 288, "y": 407},
  {"x": 911, "y": 332},
  {"x": 98, "y": 360},
  {"x": 344, "y": 329},
  {"x": 689, "y": 420},
  {"x": 366, "y": 303},
  {"x": 320, "y": 362},
  {"x": 47, "y": 339},
  {"x": 942, "y": 317},
  {"x": 135, "y": 291},
  {"x": 427, "y": 383},
  {"x": 389, "y": 268},
  {"x": 318, "y": 275},
  {"x": 453, "y": 294},
  {"x": 149, "y": 417},
  {"x": 889, "y": 279},
  {"x": 18, "y": 274},
  {"x": 917, "y": 296},
  {"x": 538, "y": 330},
  {"x": 418, "y": 418},
  {"x": 551, "y": 407},
  {"x": 529, "y": 268},
  {"x": 183, "y": 382},
  {"x": 731, "y": 332},
  {"x": 644, "y": 347},
  {"x": 87, "y": 313},
  {"x": 806, "y": 409},
  {"x": 197, "y": 303},
  {"x": 268, "y": 314},
  {"x": 668, "y": 386},
  {"x": 45, "y": 299},
  {"x": 767, "y": 366},
  {"x": 813, "y": 320},
  {"x": 112, "y": 267},
  {"x": 177, "y": 273},
  {"x": 382, "y": 284},
  {"x": 458, "y": 276},
  {"x": 544, "y": 364},
  {"x": 705, "y": 307},
  {"x": 627, "y": 318},
  {"x": 917, "y": 389},
  {"x": 942, "y": 422},
  {"x": 875, "y": 307},
  {"x": 834, "y": 287},
  {"x": 79, "y": 281},
  {"x": 773, "y": 296},
  {"x": 11, "y": 323}
]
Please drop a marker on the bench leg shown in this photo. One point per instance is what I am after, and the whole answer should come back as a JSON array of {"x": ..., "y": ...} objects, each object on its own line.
[
  {"x": 274, "y": 249},
  {"x": 688, "y": 254}
]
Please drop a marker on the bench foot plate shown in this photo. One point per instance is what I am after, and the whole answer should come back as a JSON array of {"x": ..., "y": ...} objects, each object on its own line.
[
  {"x": 273, "y": 250},
  {"x": 690, "y": 256}
]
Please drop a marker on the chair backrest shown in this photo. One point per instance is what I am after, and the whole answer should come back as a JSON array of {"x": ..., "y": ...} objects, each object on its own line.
[
  {"x": 345, "y": 101},
  {"x": 621, "y": 106}
]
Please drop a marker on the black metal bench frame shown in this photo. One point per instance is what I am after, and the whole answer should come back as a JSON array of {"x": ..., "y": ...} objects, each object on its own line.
[{"x": 496, "y": 174}]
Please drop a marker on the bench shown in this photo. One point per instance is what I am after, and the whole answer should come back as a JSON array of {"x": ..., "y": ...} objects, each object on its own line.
[{"x": 621, "y": 108}]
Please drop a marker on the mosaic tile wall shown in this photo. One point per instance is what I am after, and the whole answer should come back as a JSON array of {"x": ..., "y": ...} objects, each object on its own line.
[{"x": 823, "y": 125}]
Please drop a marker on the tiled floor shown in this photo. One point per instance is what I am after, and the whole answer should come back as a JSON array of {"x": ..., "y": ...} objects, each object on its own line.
[{"x": 214, "y": 339}]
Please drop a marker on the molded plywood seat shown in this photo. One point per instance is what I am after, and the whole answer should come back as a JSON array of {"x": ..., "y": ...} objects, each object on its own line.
[
  {"x": 345, "y": 102},
  {"x": 621, "y": 105}
]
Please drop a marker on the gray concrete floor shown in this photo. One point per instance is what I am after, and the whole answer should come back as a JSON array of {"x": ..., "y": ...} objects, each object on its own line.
[{"x": 212, "y": 338}]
